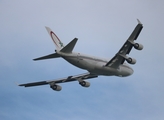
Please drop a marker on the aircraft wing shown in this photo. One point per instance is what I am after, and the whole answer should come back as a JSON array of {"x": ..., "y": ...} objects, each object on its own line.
[
  {"x": 62, "y": 80},
  {"x": 120, "y": 57}
]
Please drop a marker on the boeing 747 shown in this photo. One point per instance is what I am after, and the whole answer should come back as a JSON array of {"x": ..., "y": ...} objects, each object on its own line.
[{"x": 95, "y": 66}]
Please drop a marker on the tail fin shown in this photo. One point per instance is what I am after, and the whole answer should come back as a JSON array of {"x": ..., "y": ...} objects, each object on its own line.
[
  {"x": 69, "y": 47},
  {"x": 59, "y": 45}
]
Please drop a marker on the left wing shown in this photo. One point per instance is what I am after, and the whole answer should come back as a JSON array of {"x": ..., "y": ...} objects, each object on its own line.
[
  {"x": 120, "y": 57},
  {"x": 53, "y": 83}
]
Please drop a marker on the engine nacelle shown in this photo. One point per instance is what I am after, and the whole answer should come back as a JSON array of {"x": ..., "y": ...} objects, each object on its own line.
[
  {"x": 138, "y": 46},
  {"x": 131, "y": 60},
  {"x": 56, "y": 87},
  {"x": 84, "y": 84}
]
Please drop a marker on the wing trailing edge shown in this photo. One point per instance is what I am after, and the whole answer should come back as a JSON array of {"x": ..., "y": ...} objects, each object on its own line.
[{"x": 82, "y": 77}]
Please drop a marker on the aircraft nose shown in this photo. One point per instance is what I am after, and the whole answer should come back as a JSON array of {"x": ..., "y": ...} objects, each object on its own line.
[
  {"x": 131, "y": 71},
  {"x": 128, "y": 72}
]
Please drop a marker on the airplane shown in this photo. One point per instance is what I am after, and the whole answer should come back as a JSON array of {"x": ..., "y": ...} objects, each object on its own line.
[{"x": 95, "y": 66}]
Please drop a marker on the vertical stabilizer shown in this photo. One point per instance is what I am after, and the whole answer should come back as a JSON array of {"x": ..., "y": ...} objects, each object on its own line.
[{"x": 59, "y": 45}]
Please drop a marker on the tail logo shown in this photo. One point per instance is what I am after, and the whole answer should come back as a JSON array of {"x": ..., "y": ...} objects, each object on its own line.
[
  {"x": 61, "y": 44},
  {"x": 56, "y": 40}
]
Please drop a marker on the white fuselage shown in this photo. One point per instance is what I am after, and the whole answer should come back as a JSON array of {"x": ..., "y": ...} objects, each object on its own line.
[{"x": 96, "y": 65}]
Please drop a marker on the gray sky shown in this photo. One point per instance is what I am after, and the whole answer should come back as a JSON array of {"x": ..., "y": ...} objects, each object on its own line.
[{"x": 102, "y": 27}]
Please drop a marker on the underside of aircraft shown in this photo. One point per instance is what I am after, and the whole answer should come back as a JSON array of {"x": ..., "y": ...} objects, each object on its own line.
[{"x": 95, "y": 66}]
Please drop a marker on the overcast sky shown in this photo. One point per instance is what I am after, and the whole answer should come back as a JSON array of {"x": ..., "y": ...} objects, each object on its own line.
[{"x": 102, "y": 27}]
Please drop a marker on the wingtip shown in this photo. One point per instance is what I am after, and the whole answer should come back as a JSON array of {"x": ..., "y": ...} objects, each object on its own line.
[
  {"x": 34, "y": 59},
  {"x": 17, "y": 84},
  {"x": 139, "y": 22}
]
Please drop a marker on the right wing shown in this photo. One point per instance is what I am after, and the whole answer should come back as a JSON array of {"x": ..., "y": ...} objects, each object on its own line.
[
  {"x": 79, "y": 78},
  {"x": 120, "y": 57}
]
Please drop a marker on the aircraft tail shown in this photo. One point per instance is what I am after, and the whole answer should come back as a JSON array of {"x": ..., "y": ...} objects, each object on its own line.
[
  {"x": 69, "y": 47},
  {"x": 54, "y": 55},
  {"x": 59, "y": 45}
]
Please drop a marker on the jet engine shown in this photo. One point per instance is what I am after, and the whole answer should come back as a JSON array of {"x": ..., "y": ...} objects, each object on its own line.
[
  {"x": 84, "y": 84},
  {"x": 138, "y": 46},
  {"x": 131, "y": 60},
  {"x": 56, "y": 87}
]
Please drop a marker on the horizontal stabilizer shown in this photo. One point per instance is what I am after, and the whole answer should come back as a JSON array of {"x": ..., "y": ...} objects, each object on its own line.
[
  {"x": 69, "y": 47},
  {"x": 54, "y": 55}
]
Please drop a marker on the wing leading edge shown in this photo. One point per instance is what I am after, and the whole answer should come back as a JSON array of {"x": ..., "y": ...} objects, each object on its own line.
[{"x": 120, "y": 57}]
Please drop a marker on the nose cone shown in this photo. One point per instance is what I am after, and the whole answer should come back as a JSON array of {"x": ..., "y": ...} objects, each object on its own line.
[
  {"x": 127, "y": 71},
  {"x": 131, "y": 71}
]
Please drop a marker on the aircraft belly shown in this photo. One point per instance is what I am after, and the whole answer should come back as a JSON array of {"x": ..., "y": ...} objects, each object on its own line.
[
  {"x": 101, "y": 69},
  {"x": 86, "y": 64},
  {"x": 97, "y": 67},
  {"x": 81, "y": 63}
]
